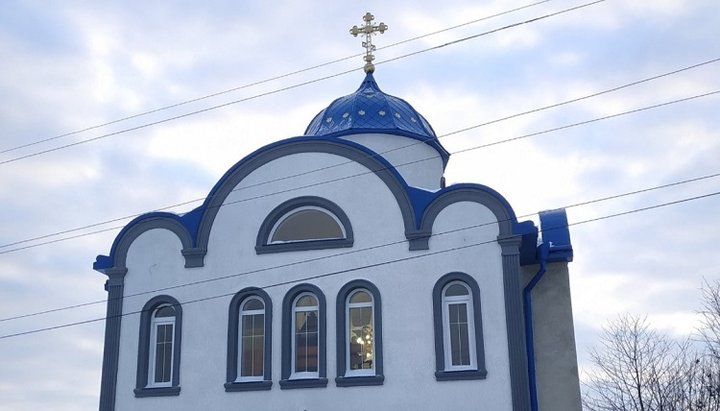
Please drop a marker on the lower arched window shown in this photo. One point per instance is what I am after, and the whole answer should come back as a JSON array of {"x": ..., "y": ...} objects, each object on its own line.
[
  {"x": 459, "y": 350},
  {"x": 303, "y": 339},
  {"x": 158, "y": 371},
  {"x": 359, "y": 335},
  {"x": 249, "y": 341}
]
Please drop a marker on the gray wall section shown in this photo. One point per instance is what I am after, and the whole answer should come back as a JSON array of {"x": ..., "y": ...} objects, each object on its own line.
[{"x": 556, "y": 366}]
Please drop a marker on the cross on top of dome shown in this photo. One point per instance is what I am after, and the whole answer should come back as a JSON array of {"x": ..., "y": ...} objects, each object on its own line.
[{"x": 368, "y": 30}]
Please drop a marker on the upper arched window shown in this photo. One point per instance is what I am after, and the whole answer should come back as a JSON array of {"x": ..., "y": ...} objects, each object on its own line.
[
  {"x": 304, "y": 223},
  {"x": 307, "y": 224}
]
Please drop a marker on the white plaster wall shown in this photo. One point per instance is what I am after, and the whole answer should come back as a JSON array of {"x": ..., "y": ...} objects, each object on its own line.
[
  {"x": 419, "y": 164},
  {"x": 405, "y": 288}
]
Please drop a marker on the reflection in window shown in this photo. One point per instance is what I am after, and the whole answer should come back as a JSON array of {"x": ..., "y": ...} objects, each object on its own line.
[
  {"x": 252, "y": 340},
  {"x": 306, "y": 337},
  {"x": 306, "y": 224},
  {"x": 360, "y": 334}
]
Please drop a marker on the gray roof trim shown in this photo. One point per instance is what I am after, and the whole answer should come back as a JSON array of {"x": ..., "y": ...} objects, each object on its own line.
[
  {"x": 347, "y": 149},
  {"x": 135, "y": 229}
]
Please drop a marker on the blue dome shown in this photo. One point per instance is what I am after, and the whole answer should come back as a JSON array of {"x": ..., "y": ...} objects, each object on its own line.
[{"x": 369, "y": 110}]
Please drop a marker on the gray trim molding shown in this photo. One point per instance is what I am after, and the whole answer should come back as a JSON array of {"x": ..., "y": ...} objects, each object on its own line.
[
  {"x": 422, "y": 236},
  {"x": 347, "y": 149},
  {"x": 510, "y": 245},
  {"x": 193, "y": 256},
  {"x": 341, "y": 338},
  {"x": 262, "y": 245},
  {"x": 440, "y": 373},
  {"x": 232, "y": 343},
  {"x": 287, "y": 339},
  {"x": 141, "y": 389},
  {"x": 111, "y": 350}
]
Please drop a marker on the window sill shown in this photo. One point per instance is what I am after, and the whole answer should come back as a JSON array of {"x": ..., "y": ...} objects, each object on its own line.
[
  {"x": 248, "y": 386},
  {"x": 460, "y": 375},
  {"x": 304, "y": 246},
  {"x": 157, "y": 392},
  {"x": 359, "y": 381},
  {"x": 303, "y": 383}
]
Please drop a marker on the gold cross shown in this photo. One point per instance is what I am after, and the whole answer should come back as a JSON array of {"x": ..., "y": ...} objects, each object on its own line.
[{"x": 368, "y": 30}]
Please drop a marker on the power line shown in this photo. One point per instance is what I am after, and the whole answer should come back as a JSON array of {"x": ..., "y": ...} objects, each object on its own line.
[
  {"x": 354, "y": 251},
  {"x": 267, "y": 80},
  {"x": 535, "y": 110},
  {"x": 282, "y": 89},
  {"x": 368, "y": 266}
]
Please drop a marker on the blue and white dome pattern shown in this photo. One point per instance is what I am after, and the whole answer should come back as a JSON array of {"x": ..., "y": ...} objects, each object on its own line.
[{"x": 369, "y": 110}]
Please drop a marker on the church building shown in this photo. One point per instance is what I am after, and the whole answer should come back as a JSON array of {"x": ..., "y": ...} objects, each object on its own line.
[{"x": 337, "y": 271}]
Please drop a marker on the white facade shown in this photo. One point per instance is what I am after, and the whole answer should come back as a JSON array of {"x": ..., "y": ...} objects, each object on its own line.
[{"x": 406, "y": 233}]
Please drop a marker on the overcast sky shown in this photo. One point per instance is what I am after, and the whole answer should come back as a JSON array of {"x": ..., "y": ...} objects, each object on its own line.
[{"x": 69, "y": 65}]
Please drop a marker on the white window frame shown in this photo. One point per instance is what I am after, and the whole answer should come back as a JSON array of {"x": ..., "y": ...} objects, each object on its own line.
[
  {"x": 348, "y": 305},
  {"x": 293, "y": 341},
  {"x": 298, "y": 209},
  {"x": 240, "y": 377},
  {"x": 468, "y": 301},
  {"x": 155, "y": 322}
]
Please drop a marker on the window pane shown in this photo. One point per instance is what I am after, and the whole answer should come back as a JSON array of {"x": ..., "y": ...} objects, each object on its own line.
[
  {"x": 360, "y": 338},
  {"x": 166, "y": 311},
  {"x": 465, "y": 347},
  {"x": 308, "y": 224},
  {"x": 300, "y": 353},
  {"x": 456, "y": 290},
  {"x": 252, "y": 349},
  {"x": 360, "y": 297},
  {"x": 253, "y": 304},
  {"x": 306, "y": 341},
  {"x": 307, "y": 301},
  {"x": 312, "y": 352},
  {"x": 163, "y": 352},
  {"x": 459, "y": 336}
]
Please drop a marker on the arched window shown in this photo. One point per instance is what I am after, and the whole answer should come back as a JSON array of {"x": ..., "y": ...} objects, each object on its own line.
[
  {"x": 304, "y": 223},
  {"x": 249, "y": 341},
  {"x": 359, "y": 335},
  {"x": 162, "y": 337},
  {"x": 303, "y": 348},
  {"x": 306, "y": 337},
  {"x": 158, "y": 372},
  {"x": 458, "y": 334},
  {"x": 307, "y": 224},
  {"x": 459, "y": 351}
]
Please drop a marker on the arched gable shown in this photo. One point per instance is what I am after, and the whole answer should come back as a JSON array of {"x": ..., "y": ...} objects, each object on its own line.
[
  {"x": 352, "y": 151},
  {"x": 476, "y": 193},
  {"x": 146, "y": 222}
]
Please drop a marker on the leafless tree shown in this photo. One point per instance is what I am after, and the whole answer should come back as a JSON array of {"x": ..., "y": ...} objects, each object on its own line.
[{"x": 639, "y": 369}]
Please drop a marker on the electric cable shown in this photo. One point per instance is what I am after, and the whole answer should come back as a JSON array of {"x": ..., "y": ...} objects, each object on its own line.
[
  {"x": 283, "y": 89},
  {"x": 380, "y": 154},
  {"x": 364, "y": 267},
  {"x": 354, "y": 251},
  {"x": 267, "y": 80}
]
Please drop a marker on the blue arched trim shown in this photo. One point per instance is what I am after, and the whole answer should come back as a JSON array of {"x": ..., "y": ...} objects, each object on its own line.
[
  {"x": 169, "y": 221},
  {"x": 418, "y": 207}
]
